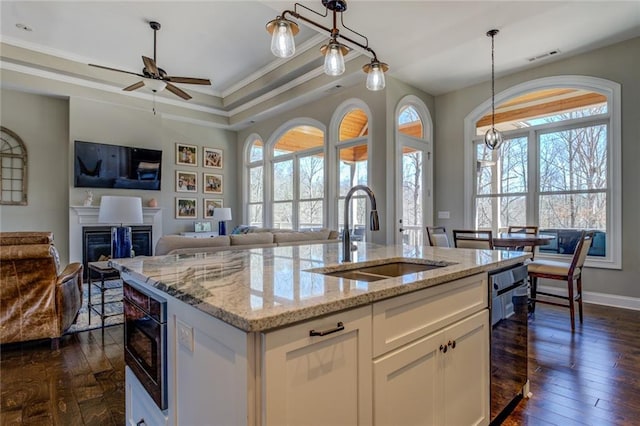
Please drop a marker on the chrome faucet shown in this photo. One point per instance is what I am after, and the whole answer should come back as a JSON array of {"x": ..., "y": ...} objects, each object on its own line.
[{"x": 374, "y": 222}]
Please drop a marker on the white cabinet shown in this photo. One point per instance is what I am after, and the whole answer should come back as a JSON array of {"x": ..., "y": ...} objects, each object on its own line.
[
  {"x": 140, "y": 408},
  {"x": 315, "y": 379},
  {"x": 437, "y": 371}
]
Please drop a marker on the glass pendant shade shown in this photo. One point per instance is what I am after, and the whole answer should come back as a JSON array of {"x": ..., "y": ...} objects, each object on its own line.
[
  {"x": 493, "y": 138},
  {"x": 334, "y": 59},
  {"x": 282, "y": 42},
  {"x": 375, "y": 78}
]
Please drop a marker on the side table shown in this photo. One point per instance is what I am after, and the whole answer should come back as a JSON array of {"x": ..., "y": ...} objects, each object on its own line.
[{"x": 105, "y": 271}]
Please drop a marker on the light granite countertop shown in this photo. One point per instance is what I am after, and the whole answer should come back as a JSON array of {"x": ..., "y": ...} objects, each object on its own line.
[{"x": 263, "y": 289}]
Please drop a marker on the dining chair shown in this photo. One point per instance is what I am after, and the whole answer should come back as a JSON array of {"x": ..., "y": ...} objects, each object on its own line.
[
  {"x": 526, "y": 229},
  {"x": 469, "y": 238},
  {"x": 437, "y": 236},
  {"x": 569, "y": 272}
]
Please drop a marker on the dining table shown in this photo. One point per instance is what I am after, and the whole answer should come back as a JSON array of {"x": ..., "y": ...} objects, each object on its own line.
[{"x": 519, "y": 240}]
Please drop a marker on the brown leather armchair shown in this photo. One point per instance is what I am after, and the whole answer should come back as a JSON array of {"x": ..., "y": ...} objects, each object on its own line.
[{"x": 36, "y": 300}]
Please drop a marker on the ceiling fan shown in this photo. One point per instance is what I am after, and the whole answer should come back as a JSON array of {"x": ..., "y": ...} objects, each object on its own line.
[{"x": 158, "y": 77}]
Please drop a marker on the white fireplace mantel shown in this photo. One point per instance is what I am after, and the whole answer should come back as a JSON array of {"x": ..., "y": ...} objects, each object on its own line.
[{"x": 81, "y": 216}]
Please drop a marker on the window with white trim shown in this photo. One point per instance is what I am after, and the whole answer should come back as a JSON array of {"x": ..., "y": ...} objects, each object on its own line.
[
  {"x": 255, "y": 179},
  {"x": 555, "y": 169}
]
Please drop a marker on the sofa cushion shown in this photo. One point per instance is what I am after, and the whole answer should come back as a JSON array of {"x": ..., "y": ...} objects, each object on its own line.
[
  {"x": 252, "y": 239},
  {"x": 172, "y": 242},
  {"x": 290, "y": 237}
]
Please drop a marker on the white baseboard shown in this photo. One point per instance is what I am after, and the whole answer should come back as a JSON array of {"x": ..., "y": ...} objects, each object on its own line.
[{"x": 606, "y": 299}]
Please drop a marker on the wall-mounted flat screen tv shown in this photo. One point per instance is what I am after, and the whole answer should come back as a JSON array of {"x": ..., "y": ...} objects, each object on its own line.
[{"x": 100, "y": 165}]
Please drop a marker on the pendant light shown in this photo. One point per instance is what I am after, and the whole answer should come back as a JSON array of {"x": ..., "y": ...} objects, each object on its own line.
[
  {"x": 283, "y": 30},
  {"x": 493, "y": 138}
]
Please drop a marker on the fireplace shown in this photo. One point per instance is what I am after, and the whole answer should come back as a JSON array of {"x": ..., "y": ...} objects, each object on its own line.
[{"x": 96, "y": 242}]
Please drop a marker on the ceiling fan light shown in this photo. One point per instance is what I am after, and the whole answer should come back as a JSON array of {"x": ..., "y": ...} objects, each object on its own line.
[
  {"x": 155, "y": 85},
  {"x": 282, "y": 31},
  {"x": 493, "y": 138},
  {"x": 333, "y": 58}
]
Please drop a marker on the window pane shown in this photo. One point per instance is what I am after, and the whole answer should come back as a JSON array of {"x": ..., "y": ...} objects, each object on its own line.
[
  {"x": 412, "y": 188},
  {"x": 256, "y": 152},
  {"x": 355, "y": 124},
  {"x": 255, "y": 215},
  {"x": 574, "y": 211},
  {"x": 283, "y": 215},
  {"x": 358, "y": 216},
  {"x": 310, "y": 214},
  {"x": 508, "y": 164},
  {"x": 512, "y": 210},
  {"x": 299, "y": 138},
  {"x": 311, "y": 176},
  {"x": 574, "y": 159},
  {"x": 353, "y": 167},
  {"x": 255, "y": 184},
  {"x": 409, "y": 122},
  {"x": 283, "y": 180}
]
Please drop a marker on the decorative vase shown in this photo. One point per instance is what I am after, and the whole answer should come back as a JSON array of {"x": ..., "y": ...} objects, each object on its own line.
[{"x": 153, "y": 203}]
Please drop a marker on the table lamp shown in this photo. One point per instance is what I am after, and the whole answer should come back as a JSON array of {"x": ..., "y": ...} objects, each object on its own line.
[
  {"x": 222, "y": 214},
  {"x": 122, "y": 210}
]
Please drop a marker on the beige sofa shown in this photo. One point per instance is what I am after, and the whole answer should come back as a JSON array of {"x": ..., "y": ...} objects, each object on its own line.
[{"x": 176, "y": 244}]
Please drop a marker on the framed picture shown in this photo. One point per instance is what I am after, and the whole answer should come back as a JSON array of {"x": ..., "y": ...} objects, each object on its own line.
[
  {"x": 210, "y": 204},
  {"x": 186, "y": 154},
  {"x": 202, "y": 226},
  {"x": 186, "y": 181},
  {"x": 212, "y": 183},
  {"x": 186, "y": 208},
  {"x": 212, "y": 157}
]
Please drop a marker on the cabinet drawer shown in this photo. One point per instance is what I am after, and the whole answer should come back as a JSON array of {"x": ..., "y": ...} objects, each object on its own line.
[{"x": 402, "y": 319}]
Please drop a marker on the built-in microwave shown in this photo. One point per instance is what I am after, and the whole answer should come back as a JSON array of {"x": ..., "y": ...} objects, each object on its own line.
[{"x": 145, "y": 340}]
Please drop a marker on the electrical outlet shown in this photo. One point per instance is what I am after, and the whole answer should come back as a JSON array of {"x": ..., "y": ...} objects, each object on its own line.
[
  {"x": 443, "y": 215},
  {"x": 185, "y": 335}
]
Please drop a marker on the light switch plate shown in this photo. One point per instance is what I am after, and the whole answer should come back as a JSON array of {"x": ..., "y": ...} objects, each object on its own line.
[
  {"x": 185, "y": 335},
  {"x": 443, "y": 215}
]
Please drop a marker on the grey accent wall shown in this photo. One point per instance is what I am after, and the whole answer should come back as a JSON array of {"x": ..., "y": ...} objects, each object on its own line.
[
  {"x": 43, "y": 125},
  {"x": 95, "y": 121},
  {"x": 619, "y": 63}
]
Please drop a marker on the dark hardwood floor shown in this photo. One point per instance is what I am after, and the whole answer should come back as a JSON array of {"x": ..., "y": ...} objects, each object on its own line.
[
  {"x": 82, "y": 383},
  {"x": 590, "y": 377}
]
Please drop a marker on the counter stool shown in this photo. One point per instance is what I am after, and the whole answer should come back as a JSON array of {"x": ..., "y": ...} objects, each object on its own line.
[{"x": 564, "y": 271}]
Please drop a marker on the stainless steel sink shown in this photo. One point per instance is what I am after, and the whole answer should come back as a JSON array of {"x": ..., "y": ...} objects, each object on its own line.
[{"x": 384, "y": 271}]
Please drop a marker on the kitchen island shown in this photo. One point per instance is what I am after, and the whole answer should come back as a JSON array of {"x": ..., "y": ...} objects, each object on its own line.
[{"x": 265, "y": 336}]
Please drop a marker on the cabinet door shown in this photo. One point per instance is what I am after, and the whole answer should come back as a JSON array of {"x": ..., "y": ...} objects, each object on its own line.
[
  {"x": 466, "y": 371},
  {"x": 407, "y": 384},
  {"x": 319, "y": 380},
  {"x": 140, "y": 408}
]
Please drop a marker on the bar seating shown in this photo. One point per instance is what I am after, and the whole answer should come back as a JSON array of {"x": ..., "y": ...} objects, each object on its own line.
[
  {"x": 437, "y": 236},
  {"x": 470, "y": 238},
  {"x": 569, "y": 272}
]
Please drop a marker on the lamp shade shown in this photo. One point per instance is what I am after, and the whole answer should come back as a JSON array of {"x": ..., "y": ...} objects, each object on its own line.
[
  {"x": 115, "y": 209},
  {"x": 222, "y": 213}
]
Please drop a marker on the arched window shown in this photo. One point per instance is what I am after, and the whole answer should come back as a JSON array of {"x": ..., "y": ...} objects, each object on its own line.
[
  {"x": 352, "y": 152},
  {"x": 255, "y": 180},
  {"x": 557, "y": 166},
  {"x": 298, "y": 177},
  {"x": 13, "y": 168},
  {"x": 415, "y": 170}
]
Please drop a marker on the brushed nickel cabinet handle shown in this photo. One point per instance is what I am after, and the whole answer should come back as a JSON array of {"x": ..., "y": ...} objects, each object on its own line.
[{"x": 339, "y": 327}]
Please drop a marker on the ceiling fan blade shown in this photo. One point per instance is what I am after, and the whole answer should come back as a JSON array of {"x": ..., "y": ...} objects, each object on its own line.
[
  {"x": 134, "y": 86},
  {"x": 150, "y": 65},
  {"x": 178, "y": 92},
  {"x": 115, "y": 69},
  {"x": 188, "y": 80}
]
